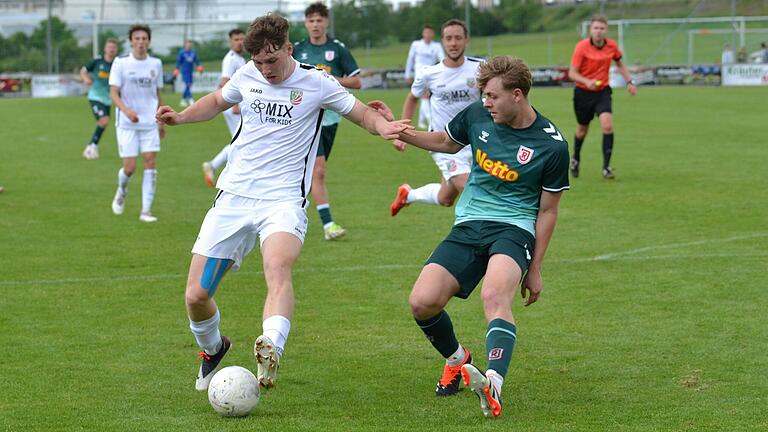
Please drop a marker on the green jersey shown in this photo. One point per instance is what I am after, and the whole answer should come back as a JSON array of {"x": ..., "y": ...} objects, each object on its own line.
[
  {"x": 510, "y": 167},
  {"x": 334, "y": 58},
  {"x": 99, "y": 70}
]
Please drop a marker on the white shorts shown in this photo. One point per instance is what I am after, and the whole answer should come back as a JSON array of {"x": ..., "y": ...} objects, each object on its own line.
[
  {"x": 451, "y": 165},
  {"x": 231, "y": 226},
  {"x": 131, "y": 142},
  {"x": 233, "y": 121}
]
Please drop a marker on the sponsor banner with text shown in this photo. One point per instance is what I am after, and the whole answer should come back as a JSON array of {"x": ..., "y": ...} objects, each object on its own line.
[{"x": 745, "y": 74}]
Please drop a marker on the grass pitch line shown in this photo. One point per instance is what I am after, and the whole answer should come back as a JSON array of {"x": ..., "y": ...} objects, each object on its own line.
[{"x": 616, "y": 255}]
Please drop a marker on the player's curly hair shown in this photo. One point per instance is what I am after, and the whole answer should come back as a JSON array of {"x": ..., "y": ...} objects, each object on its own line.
[
  {"x": 268, "y": 32},
  {"x": 316, "y": 8},
  {"x": 514, "y": 73},
  {"x": 140, "y": 27}
]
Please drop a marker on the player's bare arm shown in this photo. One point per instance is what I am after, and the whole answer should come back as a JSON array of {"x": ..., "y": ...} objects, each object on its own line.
[
  {"x": 545, "y": 225},
  {"x": 86, "y": 77},
  {"x": 631, "y": 87},
  {"x": 114, "y": 94},
  {"x": 432, "y": 141},
  {"x": 575, "y": 76},
  {"x": 203, "y": 109},
  {"x": 374, "y": 122},
  {"x": 409, "y": 106},
  {"x": 160, "y": 126},
  {"x": 350, "y": 82}
]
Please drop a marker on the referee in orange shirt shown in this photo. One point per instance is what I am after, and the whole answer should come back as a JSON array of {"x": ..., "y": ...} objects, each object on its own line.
[{"x": 589, "y": 69}]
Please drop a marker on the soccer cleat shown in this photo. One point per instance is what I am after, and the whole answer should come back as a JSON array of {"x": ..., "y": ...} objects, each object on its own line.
[
  {"x": 401, "y": 199},
  {"x": 210, "y": 365},
  {"x": 490, "y": 399},
  {"x": 334, "y": 231},
  {"x": 449, "y": 382},
  {"x": 608, "y": 173},
  {"x": 91, "y": 152},
  {"x": 118, "y": 203},
  {"x": 574, "y": 168},
  {"x": 183, "y": 102},
  {"x": 208, "y": 173},
  {"x": 147, "y": 217},
  {"x": 2, "y": 189},
  {"x": 267, "y": 361}
]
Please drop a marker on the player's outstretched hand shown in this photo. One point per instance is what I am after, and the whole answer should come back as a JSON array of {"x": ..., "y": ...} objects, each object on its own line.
[
  {"x": 533, "y": 285},
  {"x": 392, "y": 129},
  {"x": 132, "y": 115},
  {"x": 167, "y": 115},
  {"x": 632, "y": 89},
  {"x": 382, "y": 109}
]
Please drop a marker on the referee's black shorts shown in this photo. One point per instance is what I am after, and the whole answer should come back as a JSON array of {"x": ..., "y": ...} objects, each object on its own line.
[{"x": 587, "y": 104}]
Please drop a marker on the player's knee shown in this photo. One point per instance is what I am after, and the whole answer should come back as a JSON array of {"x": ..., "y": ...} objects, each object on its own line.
[
  {"x": 423, "y": 307},
  {"x": 128, "y": 169},
  {"x": 492, "y": 298},
  {"x": 195, "y": 295},
  {"x": 608, "y": 128},
  {"x": 276, "y": 269},
  {"x": 103, "y": 122}
]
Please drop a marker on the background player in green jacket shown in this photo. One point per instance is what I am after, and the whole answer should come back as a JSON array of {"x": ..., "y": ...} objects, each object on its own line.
[
  {"x": 96, "y": 75},
  {"x": 504, "y": 221},
  {"x": 332, "y": 56}
]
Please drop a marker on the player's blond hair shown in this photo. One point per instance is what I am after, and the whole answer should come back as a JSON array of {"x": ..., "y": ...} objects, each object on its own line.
[
  {"x": 514, "y": 73},
  {"x": 268, "y": 32}
]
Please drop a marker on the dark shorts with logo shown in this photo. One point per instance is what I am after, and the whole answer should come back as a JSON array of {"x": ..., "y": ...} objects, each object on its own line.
[
  {"x": 469, "y": 246},
  {"x": 587, "y": 104},
  {"x": 99, "y": 110},
  {"x": 327, "y": 134}
]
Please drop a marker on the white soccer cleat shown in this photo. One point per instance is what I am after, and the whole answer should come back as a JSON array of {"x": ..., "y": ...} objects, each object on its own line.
[
  {"x": 91, "y": 152},
  {"x": 334, "y": 231},
  {"x": 478, "y": 382},
  {"x": 147, "y": 217},
  {"x": 118, "y": 203},
  {"x": 183, "y": 102},
  {"x": 209, "y": 173},
  {"x": 267, "y": 361}
]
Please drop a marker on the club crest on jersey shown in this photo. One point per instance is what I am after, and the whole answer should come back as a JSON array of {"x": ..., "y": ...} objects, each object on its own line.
[
  {"x": 495, "y": 354},
  {"x": 296, "y": 97},
  {"x": 330, "y": 55},
  {"x": 524, "y": 155}
]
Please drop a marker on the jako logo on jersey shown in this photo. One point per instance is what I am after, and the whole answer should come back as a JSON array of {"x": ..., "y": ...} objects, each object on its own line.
[
  {"x": 497, "y": 169},
  {"x": 524, "y": 155},
  {"x": 296, "y": 96},
  {"x": 495, "y": 354},
  {"x": 272, "y": 112},
  {"x": 253, "y": 90}
]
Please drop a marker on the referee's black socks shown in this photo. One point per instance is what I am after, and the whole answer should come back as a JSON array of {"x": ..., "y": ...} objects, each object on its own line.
[
  {"x": 577, "y": 147},
  {"x": 607, "y": 149}
]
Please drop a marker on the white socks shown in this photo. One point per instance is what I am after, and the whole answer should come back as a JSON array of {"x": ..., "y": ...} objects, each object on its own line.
[
  {"x": 276, "y": 328},
  {"x": 456, "y": 358},
  {"x": 148, "y": 189},
  {"x": 425, "y": 194},
  {"x": 207, "y": 333},
  {"x": 122, "y": 182},
  {"x": 221, "y": 158}
]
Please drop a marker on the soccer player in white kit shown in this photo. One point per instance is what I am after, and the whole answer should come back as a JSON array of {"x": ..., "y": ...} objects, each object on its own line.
[
  {"x": 423, "y": 52},
  {"x": 264, "y": 187},
  {"x": 229, "y": 65},
  {"x": 452, "y": 86},
  {"x": 134, "y": 86}
]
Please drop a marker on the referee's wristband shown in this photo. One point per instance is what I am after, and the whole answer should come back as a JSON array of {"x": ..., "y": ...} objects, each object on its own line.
[{"x": 630, "y": 82}]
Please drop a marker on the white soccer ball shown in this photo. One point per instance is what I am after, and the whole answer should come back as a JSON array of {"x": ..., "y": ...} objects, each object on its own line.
[{"x": 234, "y": 392}]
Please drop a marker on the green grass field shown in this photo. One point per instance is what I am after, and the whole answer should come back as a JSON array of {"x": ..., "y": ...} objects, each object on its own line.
[{"x": 652, "y": 316}]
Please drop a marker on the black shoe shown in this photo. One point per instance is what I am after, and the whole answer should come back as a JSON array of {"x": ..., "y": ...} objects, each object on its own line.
[
  {"x": 210, "y": 365},
  {"x": 574, "y": 168},
  {"x": 449, "y": 382},
  {"x": 608, "y": 173}
]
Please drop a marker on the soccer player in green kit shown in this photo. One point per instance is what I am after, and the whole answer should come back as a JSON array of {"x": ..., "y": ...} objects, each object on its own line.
[
  {"x": 96, "y": 75},
  {"x": 333, "y": 57},
  {"x": 504, "y": 221}
]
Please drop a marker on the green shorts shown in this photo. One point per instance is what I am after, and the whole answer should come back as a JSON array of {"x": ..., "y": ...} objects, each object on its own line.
[
  {"x": 469, "y": 246},
  {"x": 99, "y": 110},
  {"x": 327, "y": 135}
]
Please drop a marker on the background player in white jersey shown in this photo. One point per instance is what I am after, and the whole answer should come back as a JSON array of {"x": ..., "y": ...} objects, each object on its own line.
[
  {"x": 135, "y": 82},
  {"x": 263, "y": 189},
  {"x": 229, "y": 65},
  {"x": 423, "y": 52},
  {"x": 452, "y": 86}
]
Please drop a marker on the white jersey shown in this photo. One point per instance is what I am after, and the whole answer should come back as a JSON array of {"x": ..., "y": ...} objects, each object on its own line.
[
  {"x": 452, "y": 89},
  {"x": 138, "y": 81},
  {"x": 231, "y": 63},
  {"x": 422, "y": 54},
  {"x": 273, "y": 155}
]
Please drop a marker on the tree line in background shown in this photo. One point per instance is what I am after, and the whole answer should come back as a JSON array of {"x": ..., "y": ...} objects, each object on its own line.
[{"x": 358, "y": 24}]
